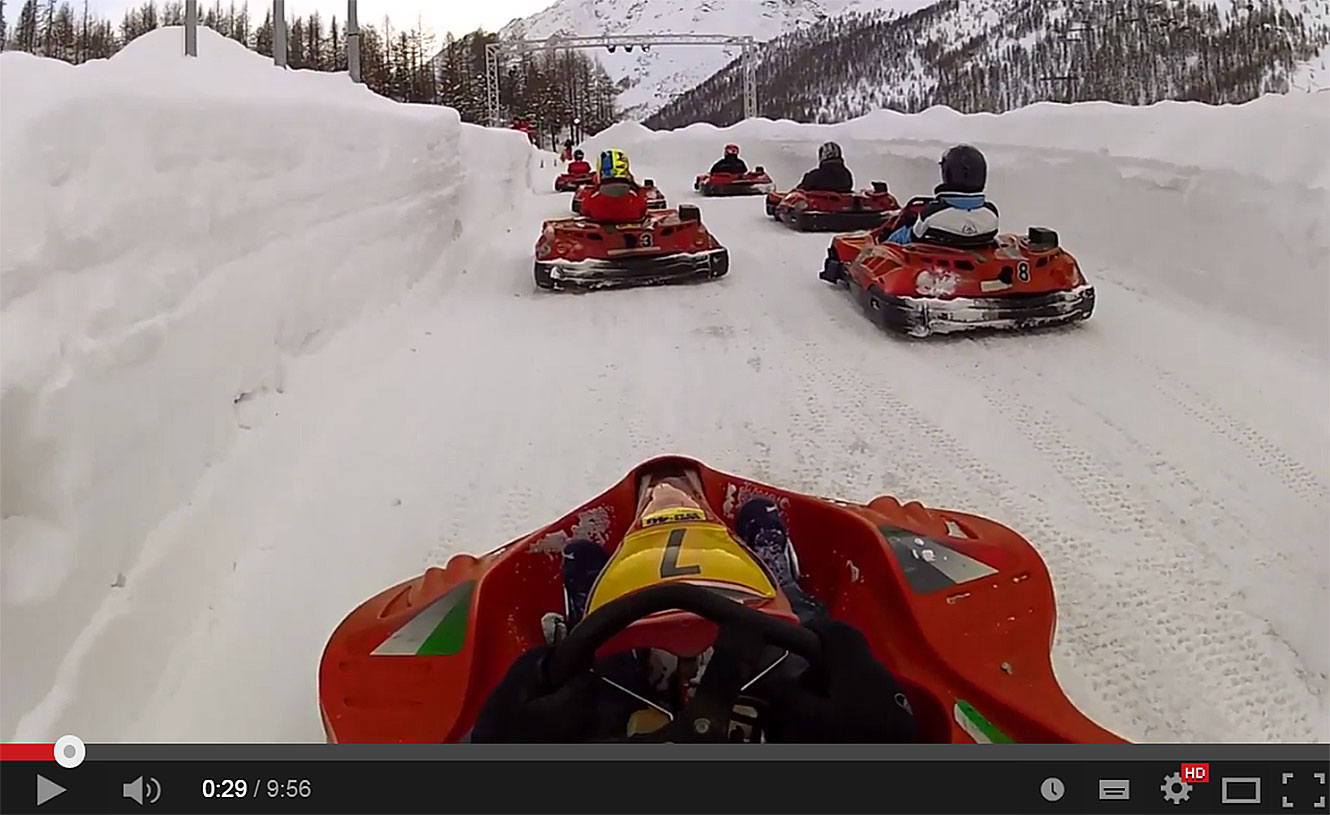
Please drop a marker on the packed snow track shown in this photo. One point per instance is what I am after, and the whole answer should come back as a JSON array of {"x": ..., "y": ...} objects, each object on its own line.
[{"x": 217, "y": 451}]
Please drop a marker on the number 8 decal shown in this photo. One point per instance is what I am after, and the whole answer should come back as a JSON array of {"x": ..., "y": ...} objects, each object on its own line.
[
  {"x": 1023, "y": 272},
  {"x": 669, "y": 563}
]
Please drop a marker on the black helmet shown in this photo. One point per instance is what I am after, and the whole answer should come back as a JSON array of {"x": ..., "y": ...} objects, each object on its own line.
[
  {"x": 828, "y": 151},
  {"x": 964, "y": 169},
  {"x": 568, "y": 143},
  {"x": 578, "y": 155}
]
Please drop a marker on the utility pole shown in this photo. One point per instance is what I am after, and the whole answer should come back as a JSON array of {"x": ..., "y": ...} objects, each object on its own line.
[
  {"x": 191, "y": 28},
  {"x": 279, "y": 33},
  {"x": 352, "y": 41}
]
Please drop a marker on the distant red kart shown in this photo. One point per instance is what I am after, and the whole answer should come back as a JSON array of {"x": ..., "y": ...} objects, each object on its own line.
[
  {"x": 570, "y": 182},
  {"x": 1010, "y": 282},
  {"x": 819, "y": 211},
  {"x": 756, "y": 182},
  {"x": 960, "y": 608},
  {"x": 655, "y": 198}
]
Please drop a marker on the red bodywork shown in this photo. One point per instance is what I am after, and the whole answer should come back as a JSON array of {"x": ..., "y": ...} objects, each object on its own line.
[
  {"x": 655, "y": 200},
  {"x": 879, "y": 201},
  {"x": 659, "y": 246},
  {"x": 599, "y": 205},
  {"x": 580, "y": 194},
  {"x": 525, "y": 127},
  {"x": 816, "y": 210},
  {"x": 980, "y": 644},
  {"x": 573, "y": 180},
  {"x": 1010, "y": 267},
  {"x": 756, "y": 182},
  {"x": 654, "y": 233}
]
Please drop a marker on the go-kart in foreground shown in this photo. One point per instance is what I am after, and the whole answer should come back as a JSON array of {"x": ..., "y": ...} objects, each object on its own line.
[
  {"x": 916, "y": 288},
  {"x": 665, "y": 246},
  {"x": 959, "y": 608},
  {"x": 625, "y": 236}
]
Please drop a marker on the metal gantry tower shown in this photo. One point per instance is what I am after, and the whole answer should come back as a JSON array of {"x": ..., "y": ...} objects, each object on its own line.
[{"x": 497, "y": 53}]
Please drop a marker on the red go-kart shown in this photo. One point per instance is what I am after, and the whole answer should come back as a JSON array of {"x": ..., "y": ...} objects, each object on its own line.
[
  {"x": 1011, "y": 281},
  {"x": 819, "y": 211},
  {"x": 958, "y": 607},
  {"x": 666, "y": 246},
  {"x": 756, "y": 182},
  {"x": 655, "y": 198},
  {"x": 571, "y": 182}
]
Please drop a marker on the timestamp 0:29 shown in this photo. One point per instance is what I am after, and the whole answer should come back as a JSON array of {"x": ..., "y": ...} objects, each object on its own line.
[{"x": 256, "y": 788}]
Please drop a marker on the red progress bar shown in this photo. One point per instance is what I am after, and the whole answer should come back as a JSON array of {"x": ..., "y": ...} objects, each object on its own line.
[{"x": 27, "y": 752}]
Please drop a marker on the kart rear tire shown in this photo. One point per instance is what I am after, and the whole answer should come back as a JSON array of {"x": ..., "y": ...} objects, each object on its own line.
[
  {"x": 543, "y": 279},
  {"x": 720, "y": 265}
]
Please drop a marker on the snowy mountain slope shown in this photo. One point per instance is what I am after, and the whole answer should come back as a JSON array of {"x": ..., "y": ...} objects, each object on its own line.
[
  {"x": 1314, "y": 74},
  {"x": 1169, "y": 459},
  {"x": 654, "y": 77},
  {"x": 995, "y": 55}
]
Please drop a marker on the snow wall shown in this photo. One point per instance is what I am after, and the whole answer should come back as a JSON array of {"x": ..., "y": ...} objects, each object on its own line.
[
  {"x": 1126, "y": 187},
  {"x": 174, "y": 230}
]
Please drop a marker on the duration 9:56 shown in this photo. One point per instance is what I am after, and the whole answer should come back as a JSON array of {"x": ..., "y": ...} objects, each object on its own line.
[{"x": 256, "y": 788}]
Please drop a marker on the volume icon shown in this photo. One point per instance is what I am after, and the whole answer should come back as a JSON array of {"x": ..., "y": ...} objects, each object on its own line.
[{"x": 141, "y": 789}]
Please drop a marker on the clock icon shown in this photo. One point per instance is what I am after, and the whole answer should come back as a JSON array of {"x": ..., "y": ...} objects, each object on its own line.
[{"x": 1052, "y": 789}]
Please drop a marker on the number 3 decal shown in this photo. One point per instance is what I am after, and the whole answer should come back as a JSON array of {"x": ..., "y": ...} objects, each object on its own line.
[{"x": 669, "y": 564}]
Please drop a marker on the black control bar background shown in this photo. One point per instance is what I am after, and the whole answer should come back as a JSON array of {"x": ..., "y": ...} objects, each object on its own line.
[{"x": 760, "y": 787}]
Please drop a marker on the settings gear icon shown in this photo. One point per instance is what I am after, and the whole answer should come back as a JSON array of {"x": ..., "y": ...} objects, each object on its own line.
[{"x": 1175, "y": 789}]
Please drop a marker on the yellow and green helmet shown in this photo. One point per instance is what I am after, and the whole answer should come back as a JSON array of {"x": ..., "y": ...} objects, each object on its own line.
[{"x": 614, "y": 165}]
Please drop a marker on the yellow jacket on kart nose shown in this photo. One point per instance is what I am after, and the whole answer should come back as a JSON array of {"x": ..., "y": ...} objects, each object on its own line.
[{"x": 676, "y": 545}]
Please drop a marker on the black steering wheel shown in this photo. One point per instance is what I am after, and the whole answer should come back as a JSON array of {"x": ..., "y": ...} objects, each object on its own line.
[{"x": 743, "y": 635}]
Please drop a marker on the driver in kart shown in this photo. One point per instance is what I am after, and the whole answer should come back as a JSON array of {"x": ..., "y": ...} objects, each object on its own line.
[
  {"x": 830, "y": 174},
  {"x": 730, "y": 163},
  {"x": 849, "y": 698},
  {"x": 616, "y": 197},
  {"x": 579, "y": 164},
  {"x": 959, "y": 213}
]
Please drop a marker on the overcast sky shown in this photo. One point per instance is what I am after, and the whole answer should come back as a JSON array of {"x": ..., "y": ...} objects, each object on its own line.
[{"x": 457, "y": 16}]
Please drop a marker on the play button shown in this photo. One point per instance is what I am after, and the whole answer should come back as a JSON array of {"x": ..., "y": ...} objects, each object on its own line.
[{"x": 47, "y": 789}]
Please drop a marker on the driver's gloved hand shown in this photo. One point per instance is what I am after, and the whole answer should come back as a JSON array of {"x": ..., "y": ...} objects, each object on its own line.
[
  {"x": 524, "y": 708},
  {"x": 851, "y": 699}
]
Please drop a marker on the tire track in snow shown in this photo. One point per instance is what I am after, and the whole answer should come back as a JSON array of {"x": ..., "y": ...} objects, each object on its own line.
[
  {"x": 1128, "y": 669},
  {"x": 1233, "y": 692},
  {"x": 1250, "y": 442}
]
